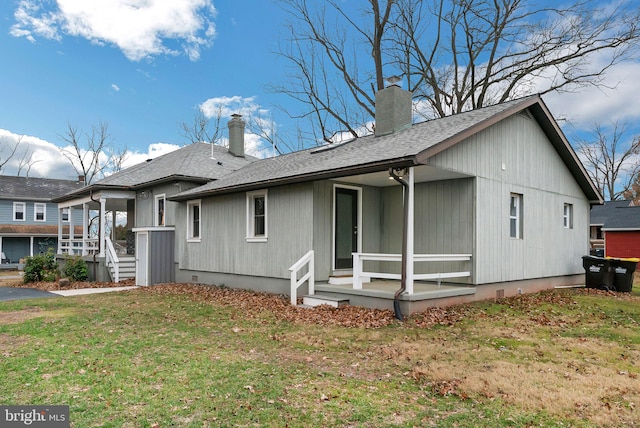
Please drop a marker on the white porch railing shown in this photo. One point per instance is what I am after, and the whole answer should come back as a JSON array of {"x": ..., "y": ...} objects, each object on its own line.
[
  {"x": 78, "y": 247},
  {"x": 306, "y": 260},
  {"x": 112, "y": 261},
  {"x": 359, "y": 273}
]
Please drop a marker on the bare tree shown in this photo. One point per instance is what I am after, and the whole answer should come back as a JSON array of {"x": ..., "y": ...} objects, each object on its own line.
[
  {"x": 203, "y": 129},
  {"x": 611, "y": 160},
  {"x": 211, "y": 129},
  {"x": 10, "y": 150},
  {"x": 455, "y": 55},
  {"x": 92, "y": 154}
]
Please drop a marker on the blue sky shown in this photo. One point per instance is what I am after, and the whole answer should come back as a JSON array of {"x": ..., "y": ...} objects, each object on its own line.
[{"x": 146, "y": 71}]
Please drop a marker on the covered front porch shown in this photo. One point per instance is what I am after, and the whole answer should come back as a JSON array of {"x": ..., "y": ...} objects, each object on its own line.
[
  {"x": 403, "y": 235},
  {"x": 102, "y": 211}
]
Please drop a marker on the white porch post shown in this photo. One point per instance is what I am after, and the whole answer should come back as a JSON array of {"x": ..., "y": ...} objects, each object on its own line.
[
  {"x": 410, "y": 234},
  {"x": 103, "y": 224},
  {"x": 31, "y": 241},
  {"x": 85, "y": 228},
  {"x": 60, "y": 230},
  {"x": 71, "y": 225}
]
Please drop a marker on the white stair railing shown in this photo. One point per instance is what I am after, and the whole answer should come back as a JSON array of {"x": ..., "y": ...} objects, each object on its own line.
[
  {"x": 306, "y": 260},
  {"x": 112, "y": 260}
]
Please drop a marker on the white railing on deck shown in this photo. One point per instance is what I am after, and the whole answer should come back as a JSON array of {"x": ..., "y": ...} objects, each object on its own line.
[
  {"x": 78, "y": 247},
  {"x": 359, "y": 258},
  {"x": 307, "y": 259},
  {"x": 112, "y": 260}
]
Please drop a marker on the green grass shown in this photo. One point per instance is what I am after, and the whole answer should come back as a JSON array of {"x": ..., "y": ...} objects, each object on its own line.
[{"x": 139, "y": 359}]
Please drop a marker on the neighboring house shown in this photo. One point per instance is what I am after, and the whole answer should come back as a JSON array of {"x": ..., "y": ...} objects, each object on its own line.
[
  {"x": 488, "y": 203},
  {"x": 28, "y": 219},
  {"x": 615, "y": 227},
  {"x": 138, "y": 196}
]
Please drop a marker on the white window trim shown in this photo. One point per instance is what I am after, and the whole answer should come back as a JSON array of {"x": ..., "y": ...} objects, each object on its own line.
[
  {"x": 518, "y": 216},
  {"x": 190, "y": 205},
  {"x": 155, "y": 210},
  {"x": 24, "y": 211},
  {"x": 35, "y": 211},
  {"x": 68, "y": 211},
  {"x": 250, "y": 216},
  {"x": 567, "y": 216}
]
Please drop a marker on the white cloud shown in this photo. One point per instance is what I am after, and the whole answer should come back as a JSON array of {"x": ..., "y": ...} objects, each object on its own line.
[
  {"x": 45, "y": 158},
  {"x": 583, "y": 109},
  {"x": 154, "y": 150},
  {"x": 259, "y": 117},
  {"x": 115, "y": 87},
  {"x": 140, "y": 28}
]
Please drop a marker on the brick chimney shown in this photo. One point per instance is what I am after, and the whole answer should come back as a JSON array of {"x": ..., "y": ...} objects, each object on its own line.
[
  {"x": 236, "y": 135},
  {"x": 393, "y": 110}
]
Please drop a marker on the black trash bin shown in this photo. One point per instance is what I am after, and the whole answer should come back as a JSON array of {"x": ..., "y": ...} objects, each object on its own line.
[
  {"x": 623, "y": 270},
  {"x": 598, "y": 272}
]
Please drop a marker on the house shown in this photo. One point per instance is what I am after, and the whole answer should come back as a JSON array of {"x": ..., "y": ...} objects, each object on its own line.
[
  {"x": 488, "y": 203},
  {"x": 138, "y": 198},
  {"x": 615, "y": 228},
  {"x": 28, "y": 219},
  {"x": 497, "y": 204}
]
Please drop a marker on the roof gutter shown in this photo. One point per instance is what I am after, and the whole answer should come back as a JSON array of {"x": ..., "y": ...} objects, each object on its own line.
[{"x": 320, "y": 175}]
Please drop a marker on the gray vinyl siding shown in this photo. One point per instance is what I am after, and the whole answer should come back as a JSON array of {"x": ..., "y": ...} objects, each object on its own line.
[
  {"x": 323, "y": 206},
  {"x": 224, "y": 248},
  {"x": 6, "y": 213},
  {"x": 161, "y": 257},
  {"x": 322, "y": 228},
  {"x": 514, "y": 156},
  {"x": 145, "y": 200},
  {"x": 443, "y": 222}
]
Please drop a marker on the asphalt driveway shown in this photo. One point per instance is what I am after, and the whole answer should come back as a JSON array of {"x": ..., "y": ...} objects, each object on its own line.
[{"x": 14, "y": 293}]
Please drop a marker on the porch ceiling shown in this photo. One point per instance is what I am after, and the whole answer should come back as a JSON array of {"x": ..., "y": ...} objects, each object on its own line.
[{"x": 423, "y": 173}]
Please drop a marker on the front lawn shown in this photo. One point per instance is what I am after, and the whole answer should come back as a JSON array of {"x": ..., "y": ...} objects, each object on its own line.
[{"x": 186, "y": 355}]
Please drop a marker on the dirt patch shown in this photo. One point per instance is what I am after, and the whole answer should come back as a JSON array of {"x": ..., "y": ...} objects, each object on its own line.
[
  {"x": 15, "y": 317},
  {"x": 54, "y": 286}
]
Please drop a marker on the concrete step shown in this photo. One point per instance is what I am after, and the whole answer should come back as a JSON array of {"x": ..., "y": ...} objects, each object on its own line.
[
  {"x": 345, "y": 279},
  {"x": 324, "y": 299}
]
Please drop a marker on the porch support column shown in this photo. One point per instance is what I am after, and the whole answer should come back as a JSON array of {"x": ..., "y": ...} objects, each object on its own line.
[
  {"x": 85, "y": 228},
  {"x": 31, "y": 242},
  {"x": 103, "y": 223},
  {"x": 410, "y": 229},
  {"x": 72, "y": 226},
  {"x": 59, "y": 251}
]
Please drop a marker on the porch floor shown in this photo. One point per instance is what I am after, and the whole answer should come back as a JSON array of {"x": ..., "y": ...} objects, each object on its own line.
[{"x": 386, "y": 289}]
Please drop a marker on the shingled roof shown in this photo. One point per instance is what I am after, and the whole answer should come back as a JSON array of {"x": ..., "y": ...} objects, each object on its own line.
[
  {"x": 198, "y": 162},
  {"x": 409, "y": 147},
  {"x": 35, "y": 189},
  {"x": 616, "y": 215}
]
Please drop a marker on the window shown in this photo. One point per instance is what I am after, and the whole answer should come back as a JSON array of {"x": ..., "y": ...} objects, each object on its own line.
[
  {"x": 65, "y": 215},
  {"x": 193, "y": 227},
  {"x": 39, "y": 212},
  {"x": 159, "y": 210},
  {"x": 568, "y": 216},
  {"x": 257, "y": 216},
  {"x": 19, "y": 211},
  {"x": 515, "y": 216}
]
